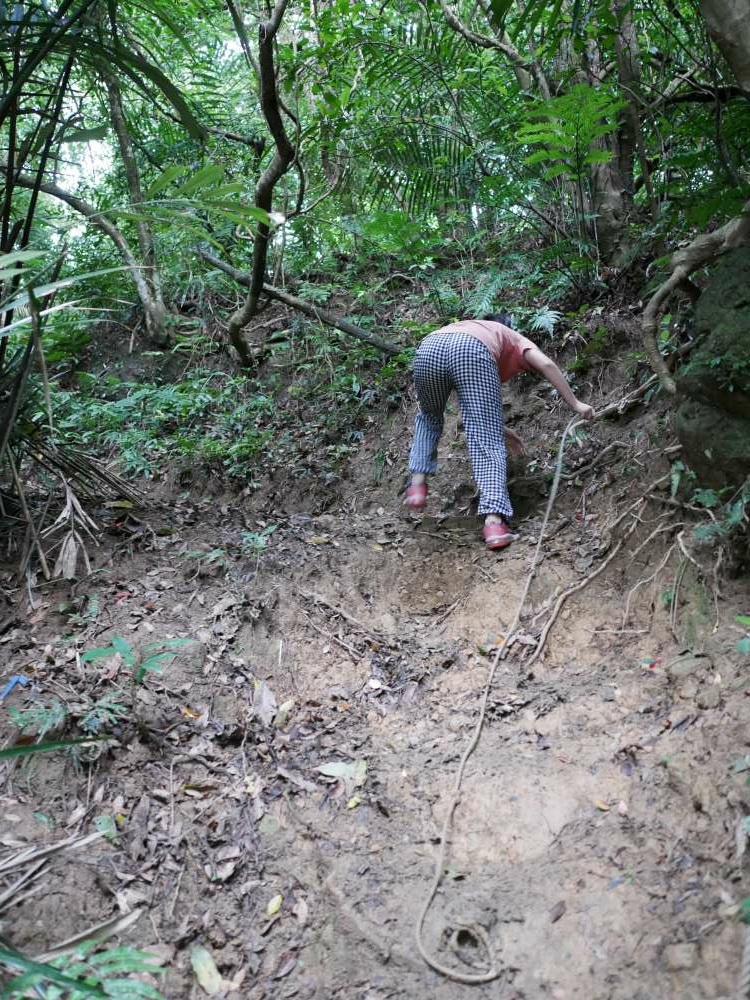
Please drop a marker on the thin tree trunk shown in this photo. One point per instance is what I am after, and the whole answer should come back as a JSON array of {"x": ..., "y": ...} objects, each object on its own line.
[
  {"x": 283, "y": 157},
  {"x": 157, "y": 315},
  {"x": 631, "y": 132},
  {"x": 155, "y": 318}
]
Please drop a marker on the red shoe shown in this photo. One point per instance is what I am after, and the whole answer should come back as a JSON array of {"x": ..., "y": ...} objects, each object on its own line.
[
  {"x": 416, "y": 495},
  {"x": 497, "y": 535}
]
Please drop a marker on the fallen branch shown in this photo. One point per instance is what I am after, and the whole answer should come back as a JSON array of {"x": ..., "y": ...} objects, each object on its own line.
[{"x": 322, "y": 315}]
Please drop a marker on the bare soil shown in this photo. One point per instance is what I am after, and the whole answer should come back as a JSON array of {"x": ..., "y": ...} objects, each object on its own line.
[{"x": 596, "y": 840}]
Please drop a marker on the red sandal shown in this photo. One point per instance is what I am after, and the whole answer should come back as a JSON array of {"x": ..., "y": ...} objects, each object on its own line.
[
  {"x": 498, "y": 535},
  {"x": 416, "y": 495}
]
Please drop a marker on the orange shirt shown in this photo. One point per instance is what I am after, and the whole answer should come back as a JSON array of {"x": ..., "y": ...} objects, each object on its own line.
[{"x": 505, "y": 345}]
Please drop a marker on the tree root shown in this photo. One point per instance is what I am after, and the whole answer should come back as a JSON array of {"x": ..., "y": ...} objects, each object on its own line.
[{"x": 685, "y": 262}]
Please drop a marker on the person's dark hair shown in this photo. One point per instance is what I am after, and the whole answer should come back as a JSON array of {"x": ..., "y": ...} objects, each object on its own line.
[{"x": 501, "y": 317}]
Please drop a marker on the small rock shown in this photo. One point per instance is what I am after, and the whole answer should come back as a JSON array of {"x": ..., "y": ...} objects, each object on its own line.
[
  {"x": 689, "y": 690},
  {"x": 609, "y": 694},
  {"x": 622, "y": 808},
  {"x": 709, "y": 697},
  {"x": 557, "y": 911},
  {"x": 680, "y": 956},
  {"x": 687, "y": 665},
  {"x": 528, "y": 720},
  {"x": 702, "y": 794}
]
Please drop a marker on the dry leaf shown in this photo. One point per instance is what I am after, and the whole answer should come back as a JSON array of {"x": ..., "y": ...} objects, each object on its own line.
[
  {"x": 223, "y": 605},
  {"x": 282, "y": 716},
  {"x": 269, "y": 825},
  {"x": 67, "y": 558},
  {"x": 295, "y": 778},
  {"x": 301, "y": 911},
  {"x": 602, "y": 806},
  {"x": 264, "y": 703},
  {"x": 353, "y": 774},
  {"x": 286, "y": 963},
  {"x": 205, "y": 971}
]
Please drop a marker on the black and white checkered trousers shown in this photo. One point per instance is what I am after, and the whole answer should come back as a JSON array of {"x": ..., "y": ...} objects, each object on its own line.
[{"x": 448, "y": 361}]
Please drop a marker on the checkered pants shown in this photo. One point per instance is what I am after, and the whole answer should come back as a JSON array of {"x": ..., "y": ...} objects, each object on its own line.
[{"x": 447, "y": 361}]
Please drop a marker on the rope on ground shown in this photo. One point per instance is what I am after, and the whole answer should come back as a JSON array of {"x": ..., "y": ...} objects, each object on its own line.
[
  {"x": 743, "y": 982},
  {"x": 475, "y": 979}
]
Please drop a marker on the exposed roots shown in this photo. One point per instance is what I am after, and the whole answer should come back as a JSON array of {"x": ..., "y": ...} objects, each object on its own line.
[{"x": 702, "y": 250}]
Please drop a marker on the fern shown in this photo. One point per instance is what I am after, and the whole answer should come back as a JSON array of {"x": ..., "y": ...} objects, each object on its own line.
[
  {"x": 545, "y": 319},
  {"x": 483, "y": 298},
  {"x": 567, "y": 128}
]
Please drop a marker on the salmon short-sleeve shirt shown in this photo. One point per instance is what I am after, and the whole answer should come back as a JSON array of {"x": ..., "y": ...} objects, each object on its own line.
[{"x": 505, "y": 345}]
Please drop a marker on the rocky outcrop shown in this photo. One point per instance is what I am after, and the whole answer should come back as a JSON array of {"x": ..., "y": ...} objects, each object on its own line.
[{"x": 713, "y": 417}]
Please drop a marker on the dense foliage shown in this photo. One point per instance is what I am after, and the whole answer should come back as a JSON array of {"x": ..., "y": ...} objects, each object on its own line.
[{"x": 538, "y": 156}]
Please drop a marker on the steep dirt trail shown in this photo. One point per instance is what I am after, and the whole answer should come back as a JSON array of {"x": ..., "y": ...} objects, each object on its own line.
[{"x": 596, "y": 838}]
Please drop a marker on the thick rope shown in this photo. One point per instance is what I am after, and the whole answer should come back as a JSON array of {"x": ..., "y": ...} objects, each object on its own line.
[
  {"x": 743, "y": 980},
  {"x": 475, "y": 979}
]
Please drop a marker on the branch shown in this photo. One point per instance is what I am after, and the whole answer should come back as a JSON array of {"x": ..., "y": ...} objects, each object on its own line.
[
  {"x": 503, "y": 45},
  {"x": 328, "y": 318},
  {"x": 702, "y": 250},
  {"x": 283, "y": 157},
  {"x": 97, "y": 219},
  {"x": 721, "y": 94}
]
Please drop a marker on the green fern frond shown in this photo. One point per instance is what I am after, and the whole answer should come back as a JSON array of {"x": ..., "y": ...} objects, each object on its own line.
[
  {"x": 483, "y": 298},
  {"x": 545, "y": 319}
]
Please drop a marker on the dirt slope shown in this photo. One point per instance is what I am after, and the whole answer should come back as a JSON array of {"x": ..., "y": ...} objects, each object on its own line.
[{"x": 596, "y": 839}]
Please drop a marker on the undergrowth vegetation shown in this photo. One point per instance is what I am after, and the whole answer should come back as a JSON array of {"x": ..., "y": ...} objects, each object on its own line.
[{"x": 311, "y": 397}]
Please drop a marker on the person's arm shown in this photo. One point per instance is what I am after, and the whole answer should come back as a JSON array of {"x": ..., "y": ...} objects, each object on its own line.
[{"x": 544, "y": 366}]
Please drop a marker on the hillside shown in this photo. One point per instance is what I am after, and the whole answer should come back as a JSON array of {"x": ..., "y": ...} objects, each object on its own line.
[{"x": 275, "y": 792}]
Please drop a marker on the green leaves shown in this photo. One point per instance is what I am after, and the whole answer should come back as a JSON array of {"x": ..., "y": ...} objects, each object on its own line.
[
  {"x": 136, "y": 67},
  {"x": 153, "y": 657},
  {"x": 205, "y": 177},
  {"x": 86, "y": 134},
  {"x": 28, "y": 750},
  {"x": 118, "y": 645},
  {"x": 158, "y": 655},
  {"x": 84, "y": 974},
  {"x": 567, "y": 127},
  {"x": 37, "y": 972}
]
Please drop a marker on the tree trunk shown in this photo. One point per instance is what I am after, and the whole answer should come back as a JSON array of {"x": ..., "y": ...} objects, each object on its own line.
[
  {"x": 728, "y": 22},
  {"x": 283, "y": 157},
  {"x": 606, "y": 182},
  {"x": 155, "y": 310}
]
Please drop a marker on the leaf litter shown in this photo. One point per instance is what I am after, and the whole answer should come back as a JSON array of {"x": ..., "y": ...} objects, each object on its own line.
[{"x": 309, "y": 782}]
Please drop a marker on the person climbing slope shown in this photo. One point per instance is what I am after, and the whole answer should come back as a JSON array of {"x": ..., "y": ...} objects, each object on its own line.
[{"x": 474, "y": 357}]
